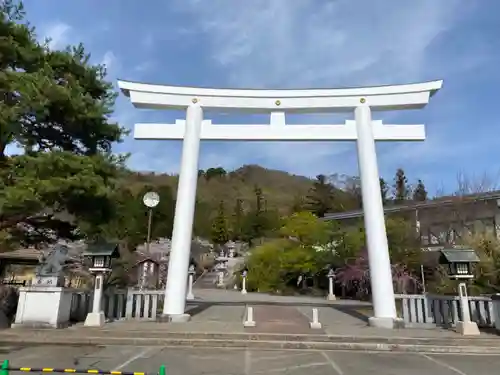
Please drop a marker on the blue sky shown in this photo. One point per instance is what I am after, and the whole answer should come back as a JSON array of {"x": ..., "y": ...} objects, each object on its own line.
[{"x": 303, "y": 44}]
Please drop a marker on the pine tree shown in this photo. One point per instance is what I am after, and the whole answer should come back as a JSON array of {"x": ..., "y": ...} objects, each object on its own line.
[
  {"x": 321, "y": 197},
  {"x": 256, "y": 220},
  {"x": 401, "y": 188},
  {"x": 259, "y": 199},
  {"x": 420, "y": 193},
  {"x": 384, "y": 190},
  {"x": 56, "y": 107},
  {"x": 238, "y": 220},
  {"x": 220, "y": 233}
]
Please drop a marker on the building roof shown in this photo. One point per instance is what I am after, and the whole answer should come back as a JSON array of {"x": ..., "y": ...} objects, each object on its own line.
[
  {"x": 22, "y": 254},
  {"x": 440, "y": 202},
  {"x": 459, "y": 255},
  {"x": 102, "y": 249}
]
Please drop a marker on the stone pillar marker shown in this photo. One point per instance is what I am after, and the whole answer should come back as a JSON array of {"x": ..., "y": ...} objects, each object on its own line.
[
  {"x": 466, "y": 326},
  {"x": 191, "y": 272},
  {"x": 244, "y": 282},
  {"x": 361, "y": 101}
]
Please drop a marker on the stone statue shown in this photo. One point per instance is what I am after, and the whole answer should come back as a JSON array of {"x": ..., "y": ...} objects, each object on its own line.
[{"x": 52, "y": 265}]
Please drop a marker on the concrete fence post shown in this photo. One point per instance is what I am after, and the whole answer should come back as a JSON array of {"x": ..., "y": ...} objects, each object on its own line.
[{"x": 315, "y": 324}]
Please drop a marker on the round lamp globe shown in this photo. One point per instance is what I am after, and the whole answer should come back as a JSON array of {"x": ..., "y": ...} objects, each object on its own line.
[{"x": 151, "y": 199}]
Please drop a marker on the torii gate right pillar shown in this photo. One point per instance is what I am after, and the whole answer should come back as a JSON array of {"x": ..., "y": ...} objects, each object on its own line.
[{"x": 382, "y": 289}]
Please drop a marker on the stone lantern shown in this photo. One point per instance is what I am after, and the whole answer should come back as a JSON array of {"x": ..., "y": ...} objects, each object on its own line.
[
  {"x": 459, "y": 262},
  {"x": 100, "y": 255},
  {"x": 331, "y": 294}
]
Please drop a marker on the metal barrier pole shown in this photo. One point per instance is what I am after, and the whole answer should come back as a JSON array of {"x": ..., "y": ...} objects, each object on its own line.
[{"x": 4, "y": 370}]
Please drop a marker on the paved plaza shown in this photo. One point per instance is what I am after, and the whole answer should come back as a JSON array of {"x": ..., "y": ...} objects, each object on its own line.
[{"x": 198, "y": 361}]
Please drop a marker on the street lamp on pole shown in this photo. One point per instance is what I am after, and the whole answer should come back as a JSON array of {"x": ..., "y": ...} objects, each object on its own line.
[{"x": 150, "y": 200}]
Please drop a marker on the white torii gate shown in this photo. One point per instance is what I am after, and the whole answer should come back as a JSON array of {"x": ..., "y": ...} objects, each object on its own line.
[{"x": 362, "y": 101}]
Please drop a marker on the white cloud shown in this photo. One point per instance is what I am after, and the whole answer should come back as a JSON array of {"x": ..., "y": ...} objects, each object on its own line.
[
  {"x": 110, "y": 61},
  {"x": 314, "y": 43},
  {"x": 144, "y": 66},
  {"x": 58, "y": 33},
  {"x": 301, "y": 43}
]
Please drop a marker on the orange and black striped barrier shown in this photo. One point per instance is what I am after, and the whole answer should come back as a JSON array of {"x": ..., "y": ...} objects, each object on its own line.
[{"x": 5, "y": 369}]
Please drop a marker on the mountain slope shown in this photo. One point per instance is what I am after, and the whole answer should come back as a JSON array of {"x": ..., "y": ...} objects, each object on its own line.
[{"x": 280, "y": 189}]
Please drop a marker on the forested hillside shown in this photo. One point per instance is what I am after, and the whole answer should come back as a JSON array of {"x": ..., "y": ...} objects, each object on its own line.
[
  {"x": 280, "y": 189},
  {"x": 248, "y": 202}
]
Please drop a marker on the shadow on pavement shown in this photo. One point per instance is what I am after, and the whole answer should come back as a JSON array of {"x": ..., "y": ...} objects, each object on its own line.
[{"x": 353, "y": 311}]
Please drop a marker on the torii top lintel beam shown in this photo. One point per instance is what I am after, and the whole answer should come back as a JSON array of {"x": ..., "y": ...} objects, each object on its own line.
[{"x": 395, "y": 97}]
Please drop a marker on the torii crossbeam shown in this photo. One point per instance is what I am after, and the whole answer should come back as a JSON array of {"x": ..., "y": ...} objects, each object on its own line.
[
  {"x": 279, "y": 132},
  {"x": 362, "y": 101}
]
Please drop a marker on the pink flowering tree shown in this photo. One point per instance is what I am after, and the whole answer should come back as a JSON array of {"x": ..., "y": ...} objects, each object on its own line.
[{"x": 355, "y": 276}]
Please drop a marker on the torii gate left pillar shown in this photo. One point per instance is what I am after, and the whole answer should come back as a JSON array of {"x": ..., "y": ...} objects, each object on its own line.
[{"x": 276, "y": 102}]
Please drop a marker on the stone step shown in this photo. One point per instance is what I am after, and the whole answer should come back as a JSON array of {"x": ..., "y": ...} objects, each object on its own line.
[
  {"x": 207, "y": 281},
  {"x": 82, "y": 335},
  {"x": 262, "y": 344}
]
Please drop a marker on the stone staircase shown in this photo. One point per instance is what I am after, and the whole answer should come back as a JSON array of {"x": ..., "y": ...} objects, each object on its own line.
[{"x": 207, "y": 281}]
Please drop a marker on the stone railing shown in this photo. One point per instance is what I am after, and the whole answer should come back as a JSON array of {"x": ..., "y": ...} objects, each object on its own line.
[
  {"x": 143, "y": 304},
  {"x": 81, "y": 304},
  {"x": 444, "y": 311},
  {"x": 118, "y": 304},
  {"x": 417, "y": 310}
]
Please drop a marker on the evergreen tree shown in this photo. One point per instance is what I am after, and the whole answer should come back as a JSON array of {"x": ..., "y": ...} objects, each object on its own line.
[
  {"x": 320, "y": 199},
  {"x": 215, "y": 173},
  {"x": 353, "y": 188},
  {"x": 203, "y": 219},
  {"x": 131, "y": 223},
  {"x": 220, "y": 231},
  {"x": 401, "y": 188},
  {"x": 56, "y": 107},
  {"x": 298, "y": 204},
  {"x": 259, "y": 200},
  {"x": 238, "y": 221},
  {"x": 420, "y": 193},
  {"x": 384, "y": 190},
  {"x": 256, "y": 221}
]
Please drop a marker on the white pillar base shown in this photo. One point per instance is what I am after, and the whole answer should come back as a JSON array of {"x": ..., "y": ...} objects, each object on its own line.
[
  {"x": 190, "y": 296},
  {"x": 331, "y": 297},
  {"x": 244, "y": 291},
  {"x": 95, "y": 319},
  {"x": 467, "y": 328},
  {"x": 389, "y": 323},
  {"x": 315, "y": 325},
  {"x": 175, "y": 318}
]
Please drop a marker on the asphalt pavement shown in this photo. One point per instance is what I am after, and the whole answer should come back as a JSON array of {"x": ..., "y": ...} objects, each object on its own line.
[{"x": 197, "y": 361}]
